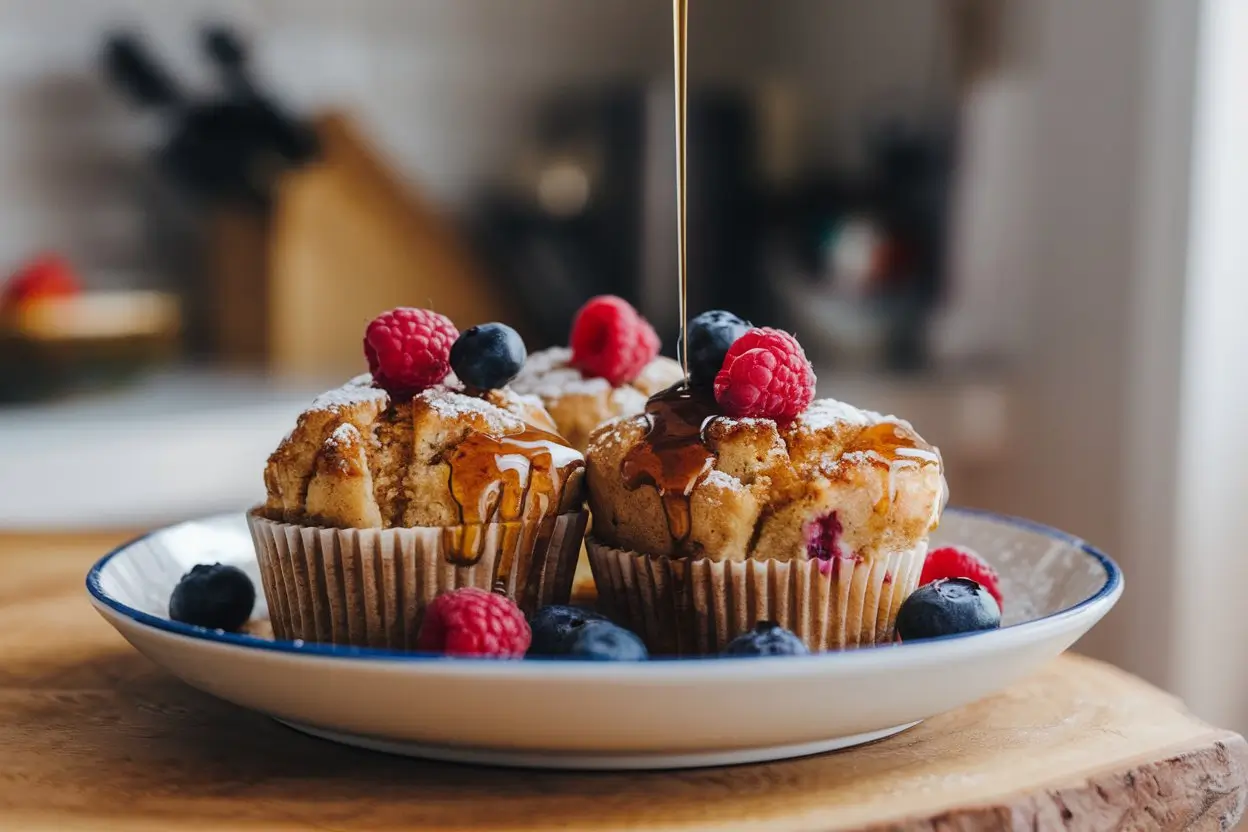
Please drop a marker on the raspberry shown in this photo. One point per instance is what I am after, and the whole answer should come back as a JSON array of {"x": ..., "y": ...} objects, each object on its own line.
[
  {"x": 765, "y": 373},
  {"x": 46, "y": 276},
  {"x": 473, "y": 622},
  {"x": 611, "y": 340},
  {"x": 409, "y": 349},
  {"x": 961, "y": 562},
  {"x": 823, "y": 538}
]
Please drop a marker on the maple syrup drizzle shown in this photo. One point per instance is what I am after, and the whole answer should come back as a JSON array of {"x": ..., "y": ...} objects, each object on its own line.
[
  {"x": 893, "y": 443},
  {"x": 673, "y": 456},
  {"x": 680, "y": 45},
  {"x": 897, "y": 449},
  {"x": 513, "y": 480}
]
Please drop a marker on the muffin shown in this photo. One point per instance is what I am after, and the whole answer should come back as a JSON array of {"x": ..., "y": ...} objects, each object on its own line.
[
  {"x": 612, "y": 366},
  {"x": 711, "y": 515},
  {"x": 406, "y": 483},
  {"x": 610, "y": 370}
]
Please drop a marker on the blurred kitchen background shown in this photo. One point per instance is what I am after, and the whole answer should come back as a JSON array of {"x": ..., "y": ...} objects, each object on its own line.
[{"x": 1017, "y": 223}]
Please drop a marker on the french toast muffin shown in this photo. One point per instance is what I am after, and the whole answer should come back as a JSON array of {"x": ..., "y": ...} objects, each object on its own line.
[
  {"x": 580, "y": 403},
  {"x": 612, "y": 366},
  {"x": 410, "y": 482},
  {"x": 719, "y": 508}
]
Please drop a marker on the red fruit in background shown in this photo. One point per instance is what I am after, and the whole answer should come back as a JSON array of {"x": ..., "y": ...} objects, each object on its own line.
[
  {"x": 765, "y": 374},
  {"x": 611, "y": 340},
  {"x": 961, "y": 562},
  {"x": 409, "y": 349},
  {"x": 45, "y": 276},
  {"x": 473, "y": 622}
]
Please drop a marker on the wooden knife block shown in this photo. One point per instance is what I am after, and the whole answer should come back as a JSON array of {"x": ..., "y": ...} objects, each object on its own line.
[{"x": 344, "y": 239}]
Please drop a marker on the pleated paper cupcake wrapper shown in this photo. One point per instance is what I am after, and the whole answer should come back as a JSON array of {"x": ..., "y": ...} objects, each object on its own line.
[
  {"x": 370, "y": 587},
  {"x": 693, "y": 607}
]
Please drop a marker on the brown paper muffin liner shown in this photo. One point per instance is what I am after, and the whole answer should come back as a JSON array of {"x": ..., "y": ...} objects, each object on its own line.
[
  {"x": 369, "y": 587},
  {"x": 690, "y": 607}
]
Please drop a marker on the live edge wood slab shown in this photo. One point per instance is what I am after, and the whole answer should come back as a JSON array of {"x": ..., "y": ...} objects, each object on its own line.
[{"x": 93, "y": 736}]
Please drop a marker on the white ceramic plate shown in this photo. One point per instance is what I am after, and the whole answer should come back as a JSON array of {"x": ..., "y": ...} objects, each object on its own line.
[{"x": 562, "y": 714}]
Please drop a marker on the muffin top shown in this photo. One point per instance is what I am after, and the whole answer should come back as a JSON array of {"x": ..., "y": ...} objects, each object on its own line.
[
  {"x": 684, "y": 480},
  {"x": 580, "y": 403},
  {"x": 444, "y": 456}
]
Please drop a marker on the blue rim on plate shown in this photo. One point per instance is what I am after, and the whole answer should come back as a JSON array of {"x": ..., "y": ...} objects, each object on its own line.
[{"x": 1113, "y": 584}]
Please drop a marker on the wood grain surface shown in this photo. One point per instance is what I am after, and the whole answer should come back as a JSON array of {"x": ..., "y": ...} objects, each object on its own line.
[{"x": 93, "y": 736}]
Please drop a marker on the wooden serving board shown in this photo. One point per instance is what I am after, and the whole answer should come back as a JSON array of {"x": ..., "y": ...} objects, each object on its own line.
[{"x": 93, "y": 736}]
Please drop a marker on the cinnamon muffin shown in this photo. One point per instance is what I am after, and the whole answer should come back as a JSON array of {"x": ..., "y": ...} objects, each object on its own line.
[
  {"x": 706, "y": 523},
  {"x": 380, "y": 499}
]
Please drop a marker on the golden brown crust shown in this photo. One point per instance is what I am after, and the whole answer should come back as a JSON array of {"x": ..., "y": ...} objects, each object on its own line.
[
  {"x": 769, "y": 483},
  {"x": 357, "y": 460},
  {"x": 579, "y": 404}
]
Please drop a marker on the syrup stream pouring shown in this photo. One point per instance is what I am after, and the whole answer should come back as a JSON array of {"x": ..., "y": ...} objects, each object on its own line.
[{"x": 680, "y": 42}]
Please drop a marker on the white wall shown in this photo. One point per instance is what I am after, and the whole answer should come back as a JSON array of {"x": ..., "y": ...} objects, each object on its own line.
[
  {"x": 1155, "y": 347},
  {"x": 1212, "y": 462},
  {"x": 1069, "y": 407},
  {"x": 1130, "y": 404}
]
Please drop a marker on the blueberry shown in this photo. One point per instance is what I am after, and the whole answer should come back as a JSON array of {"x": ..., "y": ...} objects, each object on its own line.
[
  {"x": 555, "y": 626},
  {"x": 946, "y": 607},
  {"x": 488, "y": 356},
  {"x": 605, "y": 642},
  {"x": 766, "y": 639},
  {"x": 217, "y": 597},
  {"x": 710, "y": 336}
]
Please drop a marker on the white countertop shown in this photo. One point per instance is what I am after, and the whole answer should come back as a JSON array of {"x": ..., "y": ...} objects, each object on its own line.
[{"x": 170, "y": 447}]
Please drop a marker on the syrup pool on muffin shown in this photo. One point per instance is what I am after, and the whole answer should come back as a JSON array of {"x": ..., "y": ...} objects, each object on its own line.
[
  {"x": 740, "y": 485},
  {"x": 413, "y": 481},
  {"x": 611, "y": 366}
]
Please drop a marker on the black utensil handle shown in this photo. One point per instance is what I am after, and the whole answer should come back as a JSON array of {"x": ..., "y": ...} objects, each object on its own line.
[
  {"x": 293, "y": 139},
  {"x": 130, "y": 67},
  {"x": 226, "y": 49}
]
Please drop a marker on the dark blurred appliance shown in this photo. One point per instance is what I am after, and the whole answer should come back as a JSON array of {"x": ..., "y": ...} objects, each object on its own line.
[
  {"x": 863, "y": 254},
  {"x": 591, "y": 206}
]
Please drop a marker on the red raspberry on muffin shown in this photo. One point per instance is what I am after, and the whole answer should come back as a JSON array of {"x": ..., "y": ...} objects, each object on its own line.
[
  {"x": 766, "y": 374},
  {"x": 409, "y": 350},
  {"x": 611, "y": 366}
]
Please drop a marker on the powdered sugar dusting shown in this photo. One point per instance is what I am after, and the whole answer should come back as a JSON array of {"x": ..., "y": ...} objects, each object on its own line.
[
  {"x": 828, "y": 413},
  {"x": 344, "y": 436},
  {"x": 548, "y": 375},
  {"x": 357, "y": 391},
  {"x": 627, "y": 400},
  {"x": 454, "y": 405},
  {"x": 608, "y": 435},
  {"x": 718, "y": 479},
  {"x": 528, "y": 400},
  {"x": 659, "y": 374}
]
